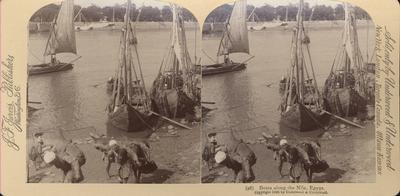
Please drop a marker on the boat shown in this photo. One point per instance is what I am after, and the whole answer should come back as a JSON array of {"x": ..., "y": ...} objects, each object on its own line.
[
  {"x": 130, "y": 107},
  {"x": 234, "y": 40},
  {"x": 175, "y": 92},
  {"x": 285, "y": 23},
  {"x": 254, "y": 23},
  {"x": 345, "y": 88},
  {"x": 302, "y": 106},
  {"x": 61, "y": 40}
]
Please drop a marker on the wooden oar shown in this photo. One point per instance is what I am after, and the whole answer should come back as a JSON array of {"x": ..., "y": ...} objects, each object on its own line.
[
  {"x": 248, "y": 59},
  {"x": 170, "y": 120},
  {"x": 208, "y": 102},
  {"x": 343, "y": 119},
  {"x": 75, "y": 59},
  {"x": 269, "y": 85},
  {"x": 35, "y": 102},
  {"x": 98, "y": 84}
]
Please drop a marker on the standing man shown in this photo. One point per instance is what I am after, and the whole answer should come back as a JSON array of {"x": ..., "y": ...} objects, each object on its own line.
[
  {"x": 69, "y": 158},
  {"x": 237, "y": 156},
  {"x": 210, "y": 150}
]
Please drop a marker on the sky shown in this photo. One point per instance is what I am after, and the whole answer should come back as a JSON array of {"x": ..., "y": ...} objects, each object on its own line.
[
  {"x": 102, "y": 3},
  {"x": 257, "y": 3}
]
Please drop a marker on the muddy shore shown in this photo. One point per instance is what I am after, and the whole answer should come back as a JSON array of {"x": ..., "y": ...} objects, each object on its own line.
[
  {"x": 349, "y": 151},
  {"x": 175, "y": 150}
]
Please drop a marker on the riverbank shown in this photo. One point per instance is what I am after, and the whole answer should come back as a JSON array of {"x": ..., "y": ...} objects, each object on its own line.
[
  {"x": 175, "y": 151},
  {"x": 36, "y": 27},
  {"x": 349, "y": 151}
]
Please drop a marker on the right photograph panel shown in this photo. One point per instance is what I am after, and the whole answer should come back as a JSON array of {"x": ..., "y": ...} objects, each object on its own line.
[{"x": 288, "y": 93}]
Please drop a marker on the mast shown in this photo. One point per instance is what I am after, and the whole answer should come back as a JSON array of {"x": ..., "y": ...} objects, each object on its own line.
[
  {"x": 286, "y": 18},
  {"x": 127, "y": 60},
  {"x": 299, "y": 56},
  {"x": 195, "y": 44},
  {"x": 113, "y": 14}
]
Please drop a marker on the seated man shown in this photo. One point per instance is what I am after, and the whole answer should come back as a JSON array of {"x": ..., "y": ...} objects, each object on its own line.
[{"x": 69, "y": 158}]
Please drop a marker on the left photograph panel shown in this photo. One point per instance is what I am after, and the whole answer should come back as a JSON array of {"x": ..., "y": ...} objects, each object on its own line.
[{"x": 113, "y": 93}]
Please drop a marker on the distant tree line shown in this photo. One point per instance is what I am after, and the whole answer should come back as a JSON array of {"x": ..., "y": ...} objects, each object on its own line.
[
  {"x": 269, "y": 13},
  {"x": 95, "y": 13}
]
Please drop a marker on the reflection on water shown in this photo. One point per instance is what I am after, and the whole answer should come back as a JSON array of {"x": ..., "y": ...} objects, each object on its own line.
[
  {"x": 78, "y": 98},
  {"x": 244, "y": 102}
]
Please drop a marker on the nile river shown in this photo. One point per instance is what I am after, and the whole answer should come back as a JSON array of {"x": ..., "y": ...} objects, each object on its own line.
[
  {"x": 244, "y": 103},
  {"x": 76, "y": 99}
]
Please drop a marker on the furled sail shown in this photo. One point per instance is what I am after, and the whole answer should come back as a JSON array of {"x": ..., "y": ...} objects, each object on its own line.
[
  {"x": 179, "y": 40},
  {"x": 62, "y": 34},
  {"x": 350, "y": 39},
  {"x": 235, "y": 38}
]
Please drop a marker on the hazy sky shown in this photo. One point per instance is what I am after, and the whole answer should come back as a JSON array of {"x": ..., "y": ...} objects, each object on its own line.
[
  {"x": 257, "y": 3},
  {"x": 102, "y": 3}
]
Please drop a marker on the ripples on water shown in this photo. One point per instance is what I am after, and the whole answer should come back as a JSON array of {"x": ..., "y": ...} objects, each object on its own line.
[
  {"x": 69, "y": 99},
  {"x": 244, "y": 103}
]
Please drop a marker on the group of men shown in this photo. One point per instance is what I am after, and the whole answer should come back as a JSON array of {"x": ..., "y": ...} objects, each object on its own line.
[
  {"x": 238, "y": 156},
  {"x": 132, "y": 158}
]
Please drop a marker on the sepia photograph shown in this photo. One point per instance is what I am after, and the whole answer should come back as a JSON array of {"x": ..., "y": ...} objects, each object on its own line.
[
  {"x": 113, "y": 93},
  {"x": 210, "y": 97},
  {"x": 288, "y": 93}
]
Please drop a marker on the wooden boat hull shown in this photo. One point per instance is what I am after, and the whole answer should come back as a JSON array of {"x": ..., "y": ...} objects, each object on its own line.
[
  {"x": 345, "y": 102},
  {"x": 221, "y": 68},
  {"x": 48, "y": 68},
  {"x": 302, "y": 119},
  {"x": 128, "y": 119},
  {"x": 172, "y": 103}
]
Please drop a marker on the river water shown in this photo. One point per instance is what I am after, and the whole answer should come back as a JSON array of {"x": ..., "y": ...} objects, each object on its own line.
[
  {"x": 76, "y": 99},
  {"x": 243, "y": 102}
]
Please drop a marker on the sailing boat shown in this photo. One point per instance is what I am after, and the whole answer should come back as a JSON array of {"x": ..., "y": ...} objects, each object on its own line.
[
  {"x": 61, "y": 40},
  {"x": 255, "y": 24},
  {"x": 129, "y": 109},
  {"x": 234, "y": 40},
  {"x": 174, "y": 92},
  {"x": 345, "y": 88},
  {"x": 283, "y": 24},
  {"x": 302, "y": 105}
]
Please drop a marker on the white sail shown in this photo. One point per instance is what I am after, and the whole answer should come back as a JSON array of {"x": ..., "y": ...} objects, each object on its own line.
[
  {"x": 179, "y": 39},
  {"x": 235, "y": 38},
  {"x": 350, "y": 39},
  {"x": 62, "y": 35},
  {"x": 180, "y": 49}
]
